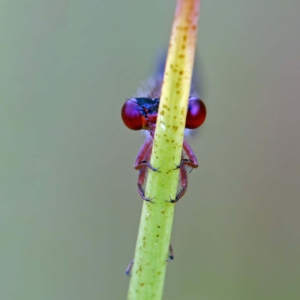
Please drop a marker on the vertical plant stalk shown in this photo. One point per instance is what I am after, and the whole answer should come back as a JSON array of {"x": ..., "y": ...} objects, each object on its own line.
[{"x": 151, "y": 253}]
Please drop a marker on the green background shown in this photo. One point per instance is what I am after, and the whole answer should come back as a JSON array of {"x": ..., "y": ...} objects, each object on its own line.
[{"x": 69, "y": 208}]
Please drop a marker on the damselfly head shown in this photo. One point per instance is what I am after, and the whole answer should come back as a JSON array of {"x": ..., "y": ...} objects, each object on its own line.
[{"x": 141, "y": 113}]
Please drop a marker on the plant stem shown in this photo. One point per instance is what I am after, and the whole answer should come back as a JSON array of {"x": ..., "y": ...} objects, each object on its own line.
[{"x": 154, "y": 235}]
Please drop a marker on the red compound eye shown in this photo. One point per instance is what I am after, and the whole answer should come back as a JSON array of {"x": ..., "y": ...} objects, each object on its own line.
[
  {"x": 131, "y": 115},
  {"x": 196, "y": 113}
]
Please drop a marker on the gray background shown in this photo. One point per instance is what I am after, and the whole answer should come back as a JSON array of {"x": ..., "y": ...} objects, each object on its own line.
[{"x": 69, "y": 209}]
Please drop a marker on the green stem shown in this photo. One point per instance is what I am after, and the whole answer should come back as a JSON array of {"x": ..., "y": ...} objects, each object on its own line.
[{"x": 149, "y": 268}]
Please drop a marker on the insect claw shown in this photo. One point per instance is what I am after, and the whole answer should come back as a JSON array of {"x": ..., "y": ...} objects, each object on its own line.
[
  {"x": 171, "y": 254},
  {"x": 182, "y": 162},
  {"x": 171, "y": 200},
  {"x": 177, "y": 167},
  {"x": 171, "y": 258},
  {"x": 149, "y": 199},
  {"x": 152, "y": 168},
  {"x": 128, "y": 268},
  {"x": 142, "y": 194}
]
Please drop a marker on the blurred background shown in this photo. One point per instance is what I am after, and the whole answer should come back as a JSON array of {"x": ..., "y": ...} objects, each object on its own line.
[{"x": 69, "y": 208}]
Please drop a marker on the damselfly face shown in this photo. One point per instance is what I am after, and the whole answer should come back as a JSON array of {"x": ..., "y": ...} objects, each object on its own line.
[{"x": 141, "y": 113}]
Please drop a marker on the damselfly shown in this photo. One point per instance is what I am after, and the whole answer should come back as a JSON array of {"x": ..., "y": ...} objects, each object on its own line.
[{"x": 140, "y": 113}]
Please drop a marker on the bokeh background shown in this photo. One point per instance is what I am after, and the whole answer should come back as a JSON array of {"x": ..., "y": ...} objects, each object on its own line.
[{"x": 69, "y": 208}]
